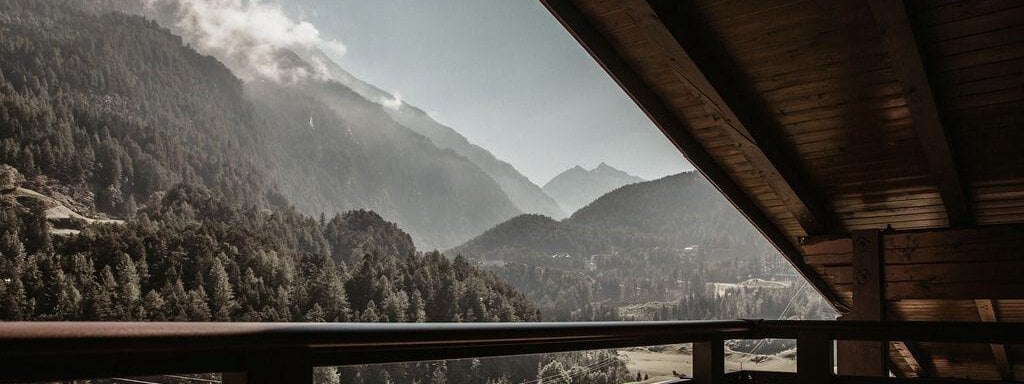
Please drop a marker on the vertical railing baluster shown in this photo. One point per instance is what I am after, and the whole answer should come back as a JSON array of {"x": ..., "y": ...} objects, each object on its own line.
[
  {"x": 709, "y": 362},
  {"x": 292, "y": 367},
  {"x": 813, "y": 358},
  {"x": 232, "y": 378}
]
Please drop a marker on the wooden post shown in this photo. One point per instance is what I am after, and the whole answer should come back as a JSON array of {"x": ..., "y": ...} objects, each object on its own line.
[
  {"x": 813, "y": 359},
  {"x": 232, "y": 378},
  {"x": 709, "y": 362},
  {"x": 293, "y": 367},
  {"x": 865, "y": 358}
]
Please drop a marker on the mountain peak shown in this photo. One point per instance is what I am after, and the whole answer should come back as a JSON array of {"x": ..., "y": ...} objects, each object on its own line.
[{"x": 577, "y": 186}]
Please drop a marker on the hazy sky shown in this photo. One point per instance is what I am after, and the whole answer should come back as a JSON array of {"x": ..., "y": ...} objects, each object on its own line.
[{"x": 503, "y": 73}]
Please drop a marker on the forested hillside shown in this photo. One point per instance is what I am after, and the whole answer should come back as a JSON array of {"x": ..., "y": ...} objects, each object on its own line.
[
  {"x": 190, "y": 256},
  {"x": 646, "y": 251},
  {"x": 117, "y": 128}
]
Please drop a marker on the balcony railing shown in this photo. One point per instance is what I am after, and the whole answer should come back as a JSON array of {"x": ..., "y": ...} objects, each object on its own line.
[{"x": 287, "y": 352}]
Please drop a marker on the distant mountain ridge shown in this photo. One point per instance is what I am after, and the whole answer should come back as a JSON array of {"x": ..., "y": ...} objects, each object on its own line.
[
  {"x": 673, "y": 212},
  {"x": 577, "y": 187}
]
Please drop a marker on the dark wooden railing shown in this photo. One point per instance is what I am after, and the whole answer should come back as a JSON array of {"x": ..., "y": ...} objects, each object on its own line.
[{"x": 287, "y": 352}]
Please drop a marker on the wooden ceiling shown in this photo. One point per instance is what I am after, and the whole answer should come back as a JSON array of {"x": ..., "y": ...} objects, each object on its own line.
[{"x": 820, "y": 119}]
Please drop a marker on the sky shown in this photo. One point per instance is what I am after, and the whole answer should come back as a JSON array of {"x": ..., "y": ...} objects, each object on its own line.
[{"x": 503, "y": 73}]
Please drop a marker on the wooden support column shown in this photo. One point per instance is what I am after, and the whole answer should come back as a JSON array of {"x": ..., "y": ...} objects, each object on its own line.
[
  {"x": 987, "y": 311},
  {"x": 813, "y": 359},
  {"x": 865, "y": 358},
  {"x": 709, "y": 362},
  {"x": 233, "y": 378},
  {"x": 293, "y": 367}
]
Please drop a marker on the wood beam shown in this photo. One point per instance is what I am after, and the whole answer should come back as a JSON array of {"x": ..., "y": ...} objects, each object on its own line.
[
  {"x": 987, "y": 312},
  {"x": 980, "y": 262},
  {"x": 710, "y": 76},
  {"x": 709, "y": 362},
  {"x": 919, "y": 366},
  {"x": 865, "y": 358},
  {"x": 677, "y": 131},
  {"x": 898, "y": 34},
  {"x": 813, "y": 359}
]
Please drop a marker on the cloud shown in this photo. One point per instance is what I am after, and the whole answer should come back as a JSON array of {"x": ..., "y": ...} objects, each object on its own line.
[
  {"x": 253, "y": 37},
  {"x": 393, "y": 103}
]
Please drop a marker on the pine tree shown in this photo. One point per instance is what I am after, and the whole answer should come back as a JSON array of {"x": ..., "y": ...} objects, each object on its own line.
[
  {"x": 396, "y": 305},
  {"x": 417, "y": 308},
  {"x": 370, "y": 313},
  {"x": 154, "y": 304},
  {"x": 129, "y": 290},
  {"x": 13, "y": 301},
  {"x": 197, "y": 306},
  {"x": 315, "y": 314},
  {"x": 68, "y": 299},
  {"x": 222, "y": 299},
  {"x": 36, "y": 232},
  {"x": 103, "y": 306}
]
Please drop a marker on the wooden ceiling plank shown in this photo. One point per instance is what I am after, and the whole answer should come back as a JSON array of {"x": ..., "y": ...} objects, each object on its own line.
[
  {"x": 754, "y": 133},
  {"x": 987, "y": 311},
  {"x": 898, "y": 34},
  {"x": 632, "y": 83}
]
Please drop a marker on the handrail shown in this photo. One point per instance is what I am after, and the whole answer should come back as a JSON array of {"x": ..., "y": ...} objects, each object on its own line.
[
  {"x": 64, "y": 350},
  {"x": 55, "y": 350},
  {"x": 931, "y": 331}
]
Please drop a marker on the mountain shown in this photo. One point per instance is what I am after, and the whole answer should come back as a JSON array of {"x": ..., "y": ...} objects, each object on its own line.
[
  {"x": 333, "y": 149},
  {"x": 338, "y": 151},
  {"x": 673, "y": 212},
  {"x": 524, "y": 194},
  {"x": 577, "y": 186}
]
